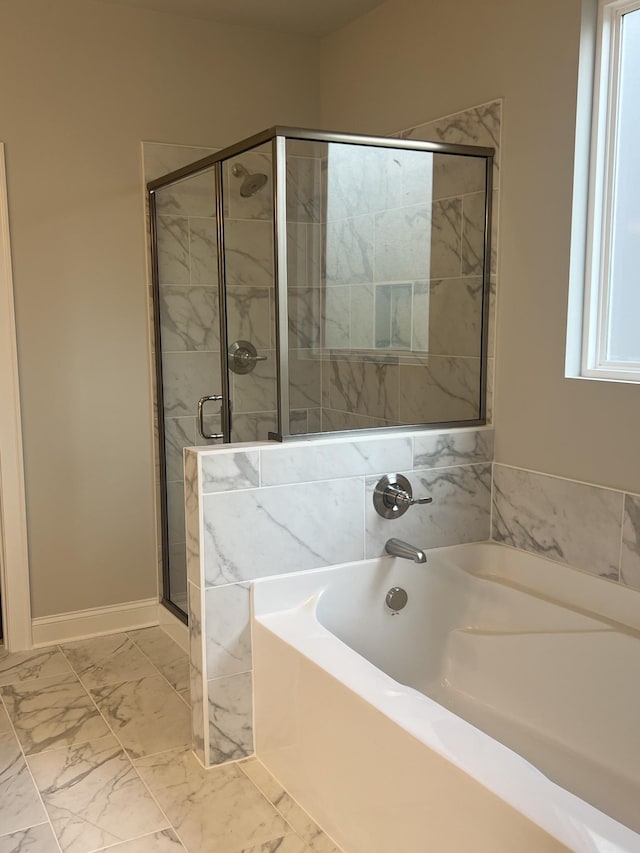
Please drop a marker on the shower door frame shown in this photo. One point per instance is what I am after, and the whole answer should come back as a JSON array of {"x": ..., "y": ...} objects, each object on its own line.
[
  {"x": 225, "y": 414},
  {"x": 278, "y": 136}
]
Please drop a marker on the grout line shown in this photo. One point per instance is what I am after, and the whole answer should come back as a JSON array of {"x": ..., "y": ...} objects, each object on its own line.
[
  {"x": 293, "y": 800},
  {"x": 566, "y": 479},
  {"x": 129, "y": 840},
  {"x": 157, "y": 668},
  {"x": 31, "y": 776},
  {"x": 138, "y": 775}
]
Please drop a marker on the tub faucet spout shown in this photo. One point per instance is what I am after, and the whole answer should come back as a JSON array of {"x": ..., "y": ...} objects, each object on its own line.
[{"x": 398, "y": 548}]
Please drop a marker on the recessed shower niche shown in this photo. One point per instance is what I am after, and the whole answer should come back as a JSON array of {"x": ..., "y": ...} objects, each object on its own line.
[{"x": 309, "y": 282}]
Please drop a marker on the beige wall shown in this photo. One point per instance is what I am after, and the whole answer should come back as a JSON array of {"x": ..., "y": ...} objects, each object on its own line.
[
  {"x": 409, "y": 61},
  {"x": 81, "y": 84}
]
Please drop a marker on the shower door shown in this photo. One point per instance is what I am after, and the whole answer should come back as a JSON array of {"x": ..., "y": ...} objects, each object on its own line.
[{"x": 207, "y": 304}]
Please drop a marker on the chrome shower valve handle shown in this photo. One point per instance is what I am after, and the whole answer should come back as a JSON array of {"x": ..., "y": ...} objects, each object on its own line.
[
  {"x": 397, "y": 494},
  {"x": 393, "y": 496}
]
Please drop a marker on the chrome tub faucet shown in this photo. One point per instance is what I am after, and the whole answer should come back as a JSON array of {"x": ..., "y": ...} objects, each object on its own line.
[{"x": 398, "y": 548}]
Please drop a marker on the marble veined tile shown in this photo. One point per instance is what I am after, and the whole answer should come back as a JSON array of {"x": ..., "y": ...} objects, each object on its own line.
[
  {"x": 107, "y": 660},
  {"x": 228, "y": 630},
  {"x": 147, "y": 715},
  {"x": 296, "y": 464},
  {"x": 160, "y": 158},
  {"x": 630, "y": 566},
  {"x": 563, "y": 520},
  {"x": 189, "y": 319},
  {"x": 5, "y": 724},
  {"x": 476, "y": 126},
  {"x": 192, "y": 515},
  {"x": 253, "y": 426},
  {"x": 230, "y": 718},
  {"x": 361, "y": 328},
  {"x": 305, "y": 380},
  {"x": 256, "y": 391},
  {"x": 349, "y": 251},
  {"x": 196, "y": 678},
  {"x": 20, "y": 805},
  {"x": 49, "y": 713},
  {"x": 460, "y": 511},
  {"x": 249, "y": 315},
  {"x": 188, "y": 376},
  {"x": 173, "y": 250},
  {"x": 218, "y": 810},
  {"x": 225, "y": 472},
  {"x": 287, "y": 844},
  {"x": 455, "y": 316},
  {"x": 25, "y": 666},
  {"x": 333, "y": 420},
  {"x": 473, "y": 214},
  {"x": 305, "y": 321},
  {"x": 454, "y": 175},
  {"x": 361, "y": 387},
  {"x": 446, "y": 237},
  {"x": 420, "y": 316},
  {"x": 303, "y": 824},
  {"x": 178, "y": 434},
  {"x": 285, "y": 521},
  {"x": 203, "y": 252},
  {"x": 440, "y": 389},
  {"x": 194, "y": 196},
  {"x": 454, "y": 448},
  {"x": 171, "y": 660},
  {"x": 402, "y": 244},
  {"x": 249, "y": 252},
  {"x": 36, "y": 839},
  {"x": 304, "y": 199},
  {"x": 336, "y": 317},
  {"x": 94, "y": 796},
  {"x": 165, "y": 841}
]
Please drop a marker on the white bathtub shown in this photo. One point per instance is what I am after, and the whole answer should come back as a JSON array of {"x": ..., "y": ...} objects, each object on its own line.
[{"x": 487, "y": 715}]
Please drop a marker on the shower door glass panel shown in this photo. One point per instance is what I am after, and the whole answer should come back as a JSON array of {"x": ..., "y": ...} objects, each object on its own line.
[
  {"x": 385, "y": 285},
  {"x": 247, "y": 182},
  {"x": 187, "y": 310}
]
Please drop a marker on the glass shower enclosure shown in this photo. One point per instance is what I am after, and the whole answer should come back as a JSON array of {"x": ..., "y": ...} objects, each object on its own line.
[{"x": 309, "y": 282}]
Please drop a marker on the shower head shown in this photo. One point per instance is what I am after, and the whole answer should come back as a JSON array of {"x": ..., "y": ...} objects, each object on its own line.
[{"x": 251, "y": 184}]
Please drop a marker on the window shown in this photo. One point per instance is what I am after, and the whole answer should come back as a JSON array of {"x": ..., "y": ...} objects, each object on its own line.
[{"x": 611, "y": 332}]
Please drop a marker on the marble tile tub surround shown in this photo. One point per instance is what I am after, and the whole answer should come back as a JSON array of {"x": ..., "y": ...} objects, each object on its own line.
[
  {"x": 586, "y": 526},
  {"x": 263, "y": 509}
]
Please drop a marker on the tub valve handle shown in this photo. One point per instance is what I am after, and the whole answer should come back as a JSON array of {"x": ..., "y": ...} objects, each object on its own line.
[{"x": 393, "y": 496}]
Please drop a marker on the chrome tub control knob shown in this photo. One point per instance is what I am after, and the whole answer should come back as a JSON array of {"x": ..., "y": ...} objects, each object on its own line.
[{"x": 393, "y": 496}]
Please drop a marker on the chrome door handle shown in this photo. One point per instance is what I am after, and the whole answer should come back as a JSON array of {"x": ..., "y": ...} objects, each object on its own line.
[{"x": 214, "y": 398}]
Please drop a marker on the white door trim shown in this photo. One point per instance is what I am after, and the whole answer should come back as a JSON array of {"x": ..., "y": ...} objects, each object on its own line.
[{"x": 14, "y": 555}]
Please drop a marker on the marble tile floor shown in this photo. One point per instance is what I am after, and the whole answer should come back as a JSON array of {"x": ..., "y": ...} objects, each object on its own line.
[{"x": 95, "y": 755}]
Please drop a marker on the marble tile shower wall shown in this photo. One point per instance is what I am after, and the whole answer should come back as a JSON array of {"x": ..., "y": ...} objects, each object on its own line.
[
  {"x": 385, "y": 288},
  {"x": 264, "y": 509},
  {"x": 585, "y": 526}
]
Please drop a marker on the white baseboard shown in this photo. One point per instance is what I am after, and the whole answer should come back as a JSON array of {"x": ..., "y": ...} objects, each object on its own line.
[
  {"x": 91, "y": 623},
  {"x": 176, "y": 629}
]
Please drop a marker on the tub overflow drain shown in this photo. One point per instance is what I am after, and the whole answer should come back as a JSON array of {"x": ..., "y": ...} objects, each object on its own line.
[{"x": 396, "y": 599}]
